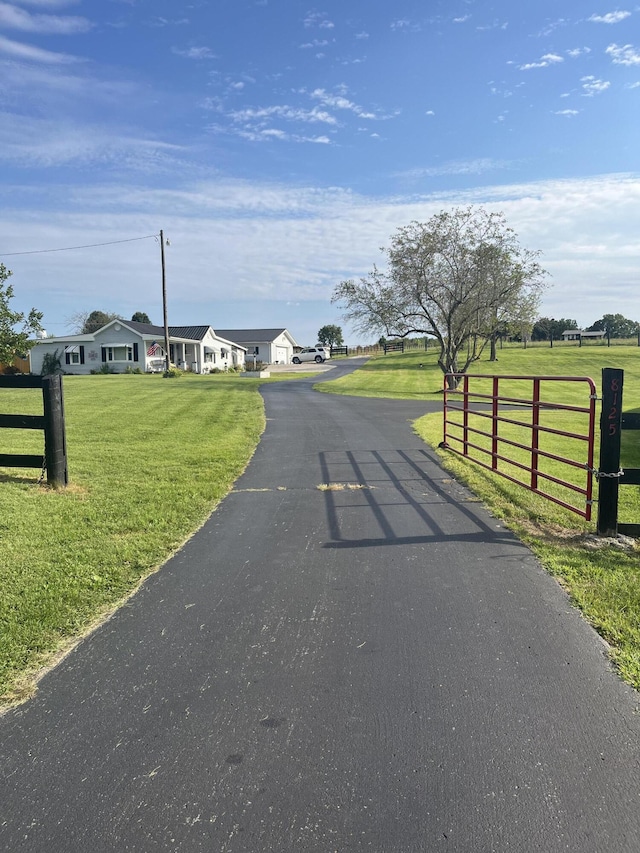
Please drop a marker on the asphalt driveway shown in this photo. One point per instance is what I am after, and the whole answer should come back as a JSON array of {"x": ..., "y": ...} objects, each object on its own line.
[{"x": 376, "y": 666}]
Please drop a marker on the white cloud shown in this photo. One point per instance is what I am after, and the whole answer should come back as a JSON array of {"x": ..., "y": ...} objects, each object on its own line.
[
  {"x": 274, "y": 244},
  {"x": 578, "y": 51},
  {"x": 26, "y": 83},
  {"x": 318, "y": 19},
  {"x": 260, "y": 123},
  {"x": 544, "y": 62},
  {"x": 461, "y": 20},
  {"x": 609, "y": 18},
  {"x": 314, "y": 44},
  {"x": 46, "y": 143},
  {"x": 552, "y": 26},
  {"x": 624, "y": 55},
  {"x": 496, "y": 25},
  {"x": 593, "y": 86},
  {"x": 339, "y": 102},
  {"x": 362, "y": 35},
  {"x": 567, "y": 113},
  {"x": 284, "y": 112},
  {"x": 167, "y": 22},
  {"x": 49, "y": 4},
  {"x": 15, "y": 18},
  {"x": 194, "y": 52},
  {"x": 404, "y": 24},
  {"x": 34, "y": 54},
  {"x": 456, "y": 167}
]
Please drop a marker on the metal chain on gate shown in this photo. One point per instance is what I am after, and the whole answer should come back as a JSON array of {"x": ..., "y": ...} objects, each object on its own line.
[
  {"x": 44, "y": 470},
  {"x": 601, "y": 475}
]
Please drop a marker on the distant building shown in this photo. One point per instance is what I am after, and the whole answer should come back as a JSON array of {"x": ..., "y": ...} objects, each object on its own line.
[
  {"x": 270, "y": 346},
  {"x": 576, "y": 334},
  {"x": 125, "y": 344}
]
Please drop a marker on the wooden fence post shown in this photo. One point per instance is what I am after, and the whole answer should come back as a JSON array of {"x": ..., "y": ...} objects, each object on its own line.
[
  {"x": 610, "y": 432},
  {"x": 55, "y": 444}
]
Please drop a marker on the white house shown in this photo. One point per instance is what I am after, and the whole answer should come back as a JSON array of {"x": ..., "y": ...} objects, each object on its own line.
[
  {"x": 270, "y": 346},
  {"x": 126, "y": 344}
]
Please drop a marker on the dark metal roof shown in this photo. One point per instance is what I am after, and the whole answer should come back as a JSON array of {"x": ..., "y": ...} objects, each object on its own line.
[
  {"x": 144, "y": 328},
  {"x": 193, "y": 333},
  {"x": 240, "y": 335}
]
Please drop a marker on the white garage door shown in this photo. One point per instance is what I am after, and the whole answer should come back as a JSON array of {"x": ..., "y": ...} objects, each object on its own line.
[{"x": 282, "y": 355}]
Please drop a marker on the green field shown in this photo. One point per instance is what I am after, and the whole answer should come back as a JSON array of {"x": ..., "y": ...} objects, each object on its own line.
[{"x": 602, "y": 578}]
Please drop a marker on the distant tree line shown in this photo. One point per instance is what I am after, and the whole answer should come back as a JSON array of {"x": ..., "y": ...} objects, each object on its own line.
[{"x": 614, "y": 326}]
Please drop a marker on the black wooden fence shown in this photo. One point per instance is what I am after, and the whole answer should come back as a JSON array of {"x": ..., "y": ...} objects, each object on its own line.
[
  {"x": 610, "y": 474},
  {"x": 54, "y": 458}
]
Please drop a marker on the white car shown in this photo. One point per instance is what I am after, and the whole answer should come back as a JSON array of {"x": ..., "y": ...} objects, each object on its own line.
[{"x": 317, "y": 354}]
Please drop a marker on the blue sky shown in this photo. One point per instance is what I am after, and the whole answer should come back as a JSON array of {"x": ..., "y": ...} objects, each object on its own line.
[{"x": 279, "y": 144}]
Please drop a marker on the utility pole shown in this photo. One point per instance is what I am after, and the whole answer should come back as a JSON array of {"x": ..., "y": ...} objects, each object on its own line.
[{"x": 164, "y": 304}]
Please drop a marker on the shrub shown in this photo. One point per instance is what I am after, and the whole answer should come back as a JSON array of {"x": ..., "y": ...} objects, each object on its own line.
[
  {"x": 173, "y": 373},
  {"x": 51, "y": 364}
]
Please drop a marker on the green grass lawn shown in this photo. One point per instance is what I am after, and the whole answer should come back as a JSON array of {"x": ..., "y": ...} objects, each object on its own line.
[
  {"x": 149, "y": 459},
  {"x": 602, "y": 580}
]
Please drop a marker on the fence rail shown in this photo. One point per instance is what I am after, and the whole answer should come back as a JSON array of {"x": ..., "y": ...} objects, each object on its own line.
[
  {"x": 472, "y": 419},
  {"x": 51, "y": 422}
]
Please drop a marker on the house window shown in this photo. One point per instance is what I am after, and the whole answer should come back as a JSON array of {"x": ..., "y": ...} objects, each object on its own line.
[
  {"x": 120, "y": 352},
  {"x": 74, "y": 355}
]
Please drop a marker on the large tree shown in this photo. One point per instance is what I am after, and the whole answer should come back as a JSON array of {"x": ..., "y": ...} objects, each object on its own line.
[
  {"x": 330, "y": 336},
  {"x": 458, "y": 277},
  {"x": 87, "y": 322},
  {"x": 17, "y": 330},
  {"x": 141, "y": 317},
  {"x": 546, "y": 328},
  {"x": 616, "y": 326}
]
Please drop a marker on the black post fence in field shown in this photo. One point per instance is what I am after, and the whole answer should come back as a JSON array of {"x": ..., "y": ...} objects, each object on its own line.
[{"x": 54, "y": 458}]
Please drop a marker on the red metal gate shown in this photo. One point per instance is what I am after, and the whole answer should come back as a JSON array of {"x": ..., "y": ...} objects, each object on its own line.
[{"x": 533, "y": 410}]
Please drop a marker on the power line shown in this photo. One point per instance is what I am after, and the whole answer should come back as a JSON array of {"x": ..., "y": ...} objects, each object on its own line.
[{"x": 70, "y": 248}]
